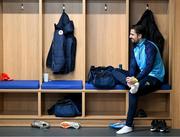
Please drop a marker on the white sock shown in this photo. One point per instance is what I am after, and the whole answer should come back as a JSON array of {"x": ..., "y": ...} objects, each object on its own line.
[
  {"x": 134, "y": 88},
  {"x": 124, "y": 130}
]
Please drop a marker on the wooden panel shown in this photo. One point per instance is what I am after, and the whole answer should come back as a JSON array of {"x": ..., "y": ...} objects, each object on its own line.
[
  {"x": 105, "y": 104},
  {"x": 106, "y": 38},
  {"x": 1, "y": 39},
  {"x": 83, "y": 104},
  {"x": 155, "y": 104},
  {"x": 39, "y": 103},
  {"x": 40, "y": 42},
  {"x": 52, "y": 13},
  {"x": 23, "y": 103},
  {"x": 20, "y": 40},
  {"x": 1, "y": 103},
  {"x": 176, "y": 69},
  {"x": 158, "y": 7},
  {"x": 161, "y": 15}
]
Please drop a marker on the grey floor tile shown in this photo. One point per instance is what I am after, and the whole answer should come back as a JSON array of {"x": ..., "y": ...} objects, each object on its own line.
[{"x": 84, "y": 132}]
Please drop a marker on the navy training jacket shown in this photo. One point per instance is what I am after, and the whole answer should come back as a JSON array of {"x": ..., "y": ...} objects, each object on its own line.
[{"x": 61, "y": 56}]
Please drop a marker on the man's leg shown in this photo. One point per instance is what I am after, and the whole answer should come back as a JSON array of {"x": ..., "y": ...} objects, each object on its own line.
[
  {"x": 147, "y": 85},
  {"x": 120, "y": 76},
  {"x": 133, "y": 99}
]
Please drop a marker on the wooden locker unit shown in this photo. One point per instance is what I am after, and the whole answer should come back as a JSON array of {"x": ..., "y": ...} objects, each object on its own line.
[
  {"x": 20, "y": 43},
  {"x": 1, "y": 40},
  {"x": 52, "y": 10},
  {"x": 19, "y": 57},
  {"x": 19, "y": 104},
  {"x": 106, "y": 44},
  {"x": 176, "y": 71},
  {"x": 160, "y": 9},
  {"x": 49, "y": 98},
  {"x": 103, "y": 104},
  {"x": 101, "y": 29},
  {"x": 157, "y": 106},
  {"x": 106, "y": 33}
]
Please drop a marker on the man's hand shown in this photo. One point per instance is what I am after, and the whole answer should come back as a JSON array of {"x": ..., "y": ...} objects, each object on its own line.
[{"x": 131, "y": 81}]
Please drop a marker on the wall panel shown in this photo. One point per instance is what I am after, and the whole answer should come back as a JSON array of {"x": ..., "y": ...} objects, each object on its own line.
[
  {"x": 176, "y": 70},
  {"x": 20, "y": 39}
]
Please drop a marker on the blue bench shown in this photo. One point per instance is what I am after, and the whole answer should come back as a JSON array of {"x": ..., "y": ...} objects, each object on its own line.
[
  {"x": 19, "y": 84},
  {"x": 62, "y": 84},
  {"x": 117, "y": 87},
  {"x": 122, "y": 87}
]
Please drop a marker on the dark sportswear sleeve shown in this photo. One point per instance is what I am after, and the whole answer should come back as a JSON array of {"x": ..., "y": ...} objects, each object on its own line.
[{"x": 150, "y": 51}]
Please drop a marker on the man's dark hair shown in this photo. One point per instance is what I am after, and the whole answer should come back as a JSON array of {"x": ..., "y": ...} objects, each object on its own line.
[{"x": 140, "y": 29}]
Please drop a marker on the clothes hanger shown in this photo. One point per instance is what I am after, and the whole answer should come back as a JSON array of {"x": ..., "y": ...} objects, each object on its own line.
[
  {"x": 64, "y": 7},
  {"x": 105, "y": 7},
  {"x": 22, "y": 5}
]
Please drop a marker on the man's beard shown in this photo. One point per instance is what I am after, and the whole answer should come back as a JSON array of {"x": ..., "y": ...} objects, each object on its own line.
[{"x": 133, "y": 41}]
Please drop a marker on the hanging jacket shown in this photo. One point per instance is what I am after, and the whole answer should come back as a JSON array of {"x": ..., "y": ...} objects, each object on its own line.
[
  {"x": 152, "y": 32},
  {"x": 61, "y": 56}
]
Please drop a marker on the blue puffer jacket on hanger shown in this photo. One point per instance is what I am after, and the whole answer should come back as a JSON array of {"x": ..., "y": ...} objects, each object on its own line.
[{"x": 61, "y": 57}]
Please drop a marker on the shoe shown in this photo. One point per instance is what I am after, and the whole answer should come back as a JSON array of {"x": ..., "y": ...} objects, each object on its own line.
[
  {"x": 154, "y": 126},
  {"x": 141, "y": 113},
  {"x": 40, "y": 124},
  {"x": 66, "y": 124},
  {"x": 134, "y": 88},
  {"x": 163, "y": 126},
  {"x": 118, "y": 125},
  {"x": 124, "y": 130}
]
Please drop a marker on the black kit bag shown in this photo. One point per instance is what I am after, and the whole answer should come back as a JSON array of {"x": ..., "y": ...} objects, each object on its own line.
[
  {"x": 64, "y": 108},
  {"x": 101, "y": 77}
]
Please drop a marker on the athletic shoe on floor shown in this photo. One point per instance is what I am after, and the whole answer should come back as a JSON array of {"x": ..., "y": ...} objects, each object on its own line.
[
  {"x": 154, "y": 126},
  {"x": 40, "y": 124},
  {"x": 163, "y": 126},
  {"x": 124, "y": 130},
  {"x": 66, "y": 124}
]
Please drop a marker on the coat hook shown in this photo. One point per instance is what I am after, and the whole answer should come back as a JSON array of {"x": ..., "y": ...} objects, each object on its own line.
[
  {"x": 105, "y": 7},
  {"x": 22, "y": 5},
  {"x": 64, "y": 7},
  {"x": 147, "y": 6}
]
